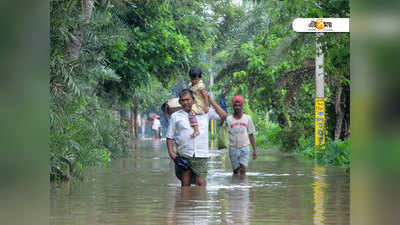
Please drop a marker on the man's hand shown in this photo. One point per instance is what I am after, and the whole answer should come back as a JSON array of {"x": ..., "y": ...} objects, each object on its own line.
[
  {"x": 170, "y": 146},
  {"x": 221, "y": 113},
  {"x": 173, "y": 155},
  {"x": 205, "y": 93},
  {"x": 254, "y": 154},
  {"x": 253, "y": 145}
]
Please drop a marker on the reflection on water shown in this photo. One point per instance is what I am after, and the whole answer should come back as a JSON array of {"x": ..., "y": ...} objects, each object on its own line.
[
  {"x": 142, "y": 189},
  {"x": 318, "y": 186},
  {"x": 239, "y": 201}
]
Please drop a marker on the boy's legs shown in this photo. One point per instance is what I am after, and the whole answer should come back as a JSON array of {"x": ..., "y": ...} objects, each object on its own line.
[{"x": 194, "y": 123}]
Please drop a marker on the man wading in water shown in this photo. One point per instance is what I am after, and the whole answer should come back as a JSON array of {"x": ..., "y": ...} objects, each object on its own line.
[
  {"x": 191, "y": 158},
  {"x": 241, "y": 135}
]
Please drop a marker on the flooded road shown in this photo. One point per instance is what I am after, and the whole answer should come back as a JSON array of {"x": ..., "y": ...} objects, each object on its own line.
[{"x": 142, "y": 189}]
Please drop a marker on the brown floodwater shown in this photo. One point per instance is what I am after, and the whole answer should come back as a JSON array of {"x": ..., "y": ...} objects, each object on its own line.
[{"x": 142, "y": 189}]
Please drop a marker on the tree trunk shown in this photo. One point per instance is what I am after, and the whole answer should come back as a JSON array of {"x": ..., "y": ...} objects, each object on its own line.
[
  {"x": 346, "y": 130},
  {"x": 74, "y": 45},
  {"x": 87, "y": 6},
  {"x": 339, "y": 113},
  {"x": 122, "y": 118},
  {"x": 135, "y": 120}
]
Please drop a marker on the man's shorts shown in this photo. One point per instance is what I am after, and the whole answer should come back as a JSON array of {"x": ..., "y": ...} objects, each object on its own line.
[
  {"x": 239, "y": 156},
  {"x": 198, "y": 166}
]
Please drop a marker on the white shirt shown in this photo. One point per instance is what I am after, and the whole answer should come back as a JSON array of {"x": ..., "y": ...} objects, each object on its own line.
[
  {"x": 180, "y": 130},
  {"x": 239, "y": 130},
  {"x": 156, "y": 124}
]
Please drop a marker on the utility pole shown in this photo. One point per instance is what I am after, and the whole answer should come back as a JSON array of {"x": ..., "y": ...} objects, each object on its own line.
[
  {"x": 211, "y": 72},
  {"x": 319, "y": 94},
  {"x": 212, "y": 96},
  {"x": 319, "y": 26}
]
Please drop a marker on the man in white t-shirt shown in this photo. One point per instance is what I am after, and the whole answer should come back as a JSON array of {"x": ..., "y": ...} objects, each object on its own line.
[
  {"x": 156, "y": 127},
  {"x": 241, "y": 134}
]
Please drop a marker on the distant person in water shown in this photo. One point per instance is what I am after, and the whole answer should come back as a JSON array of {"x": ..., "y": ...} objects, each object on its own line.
[
  {"x": 191, "y": 154},
  {"x": 241, "y": 134},
  {"x": 156, "y": 127},
  {"x": 200, "y": 104}
]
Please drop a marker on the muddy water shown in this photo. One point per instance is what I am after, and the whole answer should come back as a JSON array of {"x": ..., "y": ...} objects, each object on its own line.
[{"x": 142, "y": 189}]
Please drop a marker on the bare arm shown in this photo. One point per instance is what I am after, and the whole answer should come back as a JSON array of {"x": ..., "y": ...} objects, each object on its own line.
[
  {"x": 253, "y": 144},
  {"x": 221, "y": 113},
  {"x": 205, "y": 96},
  {"x": 170, "y": 146}
]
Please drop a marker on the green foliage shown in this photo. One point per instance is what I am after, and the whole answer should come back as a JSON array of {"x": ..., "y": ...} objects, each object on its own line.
[
  {"x": 154, "y": 47},
  {"x": 335, "y": 153},
  {"x": 274, "y": 66},
  {"x": 129, "y": 52},
  {"x": 268, "y": 136},
  {"x": 82, "y": 131}
]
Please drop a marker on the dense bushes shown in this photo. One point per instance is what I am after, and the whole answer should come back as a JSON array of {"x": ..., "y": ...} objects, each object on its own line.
[
  {"x": 333, "y": 152},
  {"x": 107, "y": 55}
]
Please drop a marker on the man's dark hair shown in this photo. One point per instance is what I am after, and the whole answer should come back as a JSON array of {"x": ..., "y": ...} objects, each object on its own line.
[
  {"x": 185, "y": 92},
  {"x": 195, "y": 72}
]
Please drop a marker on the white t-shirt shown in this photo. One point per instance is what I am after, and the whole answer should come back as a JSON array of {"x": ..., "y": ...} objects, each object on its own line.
[
  {"x": 156, "y": 124},
  {"x": 180, "y": 130},
  {"x": 239, "y": 130}
]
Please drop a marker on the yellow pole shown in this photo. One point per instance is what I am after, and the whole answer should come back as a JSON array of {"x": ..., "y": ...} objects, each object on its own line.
[
  {"x": 212, "y": 133},
  {"x": 212, "y": 127},
  {"x": 319, "y": 121}
]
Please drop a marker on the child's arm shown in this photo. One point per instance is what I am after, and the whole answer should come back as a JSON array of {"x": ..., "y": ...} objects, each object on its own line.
[{"x": 205, "y": 97}]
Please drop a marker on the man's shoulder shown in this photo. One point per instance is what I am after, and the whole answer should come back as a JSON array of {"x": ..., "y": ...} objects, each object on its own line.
[
  {"x": 177, "y": 113},
  {"x": 247, "y": 116}
]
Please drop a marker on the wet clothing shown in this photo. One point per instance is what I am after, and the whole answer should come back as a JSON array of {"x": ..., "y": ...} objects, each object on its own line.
[
  {"x": 239, "y": 130},
  {"x": 199, "y": 104},
  {"x": 180, "y": 131},
  {"x": 239, "y": 156},
  {"x": 198, "y": 166}
]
